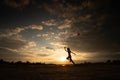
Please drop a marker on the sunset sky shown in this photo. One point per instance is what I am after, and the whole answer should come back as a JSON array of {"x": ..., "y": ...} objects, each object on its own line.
[{"x": 38, "y": 30}]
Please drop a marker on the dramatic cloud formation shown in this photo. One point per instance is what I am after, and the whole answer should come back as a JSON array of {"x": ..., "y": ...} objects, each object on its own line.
[
  {"x": 93, "y": 21},
  {"x": 42, "y": 28},
  {"x": 97, "y": 32},
  {"x": 18, "y": 30}
]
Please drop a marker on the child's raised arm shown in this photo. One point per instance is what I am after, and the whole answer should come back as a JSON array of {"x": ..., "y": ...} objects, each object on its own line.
[
  {"x": 73, "y": 53},
  {"x": 65, "y": 49}
]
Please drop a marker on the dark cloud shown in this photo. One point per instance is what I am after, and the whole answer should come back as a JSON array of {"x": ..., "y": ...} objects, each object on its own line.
[
  {"x": 16, "y": 3},
  {"x": 99, "y": 30},
  {"x": 62, "y": 8},
  {"x": 6, "y": 52},
  {"x": 104, "y": 56},
  {"x": 12, "y": 43},
  {"x": 10, "y": 54},
  {"x": 97, "y": 22},
  {"x": 14, "y": 48}
]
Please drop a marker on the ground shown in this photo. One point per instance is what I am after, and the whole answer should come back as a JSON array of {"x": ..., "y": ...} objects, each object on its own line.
[{"x": 55, "y": 72}]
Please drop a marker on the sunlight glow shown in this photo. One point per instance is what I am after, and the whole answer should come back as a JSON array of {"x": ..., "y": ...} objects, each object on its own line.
[{"x": 62, "y": 59}]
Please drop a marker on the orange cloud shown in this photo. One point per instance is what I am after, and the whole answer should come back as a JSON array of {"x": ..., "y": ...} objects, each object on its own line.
[
  {"x": 51, "y": 22},
  {"x": 66, "y": 24}
]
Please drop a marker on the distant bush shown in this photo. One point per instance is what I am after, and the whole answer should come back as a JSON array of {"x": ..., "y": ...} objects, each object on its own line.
[{"x": 2, "y": 61}]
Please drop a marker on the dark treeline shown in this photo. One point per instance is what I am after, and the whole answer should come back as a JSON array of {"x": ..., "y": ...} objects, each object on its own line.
[
  {"x": 106, "y": 62},
  {"x": 20, "y": 62},
  {"x": 40, "y": 63}
]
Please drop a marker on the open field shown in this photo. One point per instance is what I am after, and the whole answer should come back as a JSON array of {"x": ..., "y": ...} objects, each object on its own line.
[{"x": 54, "y": 72}]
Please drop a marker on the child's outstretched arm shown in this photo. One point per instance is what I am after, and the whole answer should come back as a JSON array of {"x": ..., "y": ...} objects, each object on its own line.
[{"x": 73, "y": 53}]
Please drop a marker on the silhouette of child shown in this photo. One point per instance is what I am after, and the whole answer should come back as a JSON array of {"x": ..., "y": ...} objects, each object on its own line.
[{"x": 69, "y": 54}]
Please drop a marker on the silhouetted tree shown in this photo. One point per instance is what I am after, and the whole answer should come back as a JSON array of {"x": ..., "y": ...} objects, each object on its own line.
[
  {"x": 108, "y": 61},
  {"x": 19, "y": 62},
  {"x": 27, "y": 62},
  {"x": 2, "y": 61},
  {"x": 116, "y": 61}
]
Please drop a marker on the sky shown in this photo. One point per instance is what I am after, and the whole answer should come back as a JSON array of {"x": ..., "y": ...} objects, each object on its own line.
[{"x": 38, "y": 30}]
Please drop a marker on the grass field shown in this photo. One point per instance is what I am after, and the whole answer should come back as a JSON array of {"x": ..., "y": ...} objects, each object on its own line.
[{"x": 54, "y": 72}]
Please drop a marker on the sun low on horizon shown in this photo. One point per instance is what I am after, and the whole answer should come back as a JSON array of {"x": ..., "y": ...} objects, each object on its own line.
[{"x": 62, "y": 59}]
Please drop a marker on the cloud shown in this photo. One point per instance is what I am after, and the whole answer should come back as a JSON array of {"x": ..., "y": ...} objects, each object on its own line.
[
  {"x": 12, "y": 43},
  {"x": 94, "y": 43},
  {"x": 58, "y": 44},
  {"x": 64, "y": 32},
  {"x": 96, "y": 21},
  {"x": 50, "y": 48},
  {"x": 17, "y": 30},
  {"x": 42, "y": 55},
  {"x": 8, "y": 52},
  {"x": 65, "y": 9},
  {"x": 37, "y": 53},
  {"x": 65, "y": 24},
  {"x": 92, "y": 20},
  {"x": 38, "y": 35},
  {"x": 17, "y": 4},
  {"x": 30, "y": 44},
  {"x": 15, "y": 42},
  {"x": 104, "y": 56},
  {"x": 45, "y": 35},
  {"x": 97, "y": 29},
  {"x": 77, "y": 12},
  {"x": 51, "y": 22},
  {"x": 35, "y": 27},
  {"x": 16, "y": 48},
  {"x": 42, "y": 52},
  {"x": 11, "y": 54},
  {"x": 12, "y": 32}
]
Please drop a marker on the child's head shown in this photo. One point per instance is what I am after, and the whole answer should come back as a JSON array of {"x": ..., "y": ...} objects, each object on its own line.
[{"x": 68, "y": 49}]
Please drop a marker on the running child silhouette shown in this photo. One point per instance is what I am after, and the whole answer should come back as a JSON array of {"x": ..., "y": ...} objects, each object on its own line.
[{"x": 69, "y": 54}]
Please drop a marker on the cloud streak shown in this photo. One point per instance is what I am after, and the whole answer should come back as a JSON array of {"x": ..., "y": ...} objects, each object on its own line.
[
  {"x": 18, "y": 30},
  {"x": 17, "y": 4},
  {"x": 51, "y": 22},
  {"x": 50, "y": 48},
  {"x": 66, "y": 24},
  {"x": 34, "y": 27}
]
